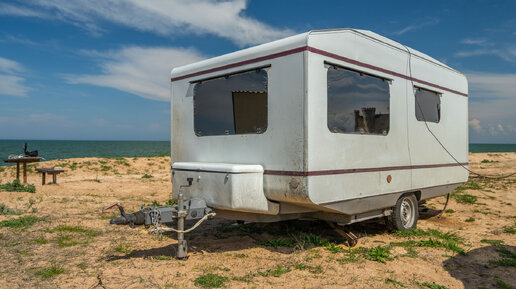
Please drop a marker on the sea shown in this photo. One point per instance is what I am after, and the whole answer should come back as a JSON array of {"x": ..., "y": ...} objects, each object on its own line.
[{"x": 65, "y": 149}]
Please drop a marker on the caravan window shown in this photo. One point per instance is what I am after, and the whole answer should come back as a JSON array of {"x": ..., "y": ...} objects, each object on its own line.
[
  {"x": 232, "y": 104},
  {"x": 357, "y": 102},
  {"x": 428, "y": 105}
]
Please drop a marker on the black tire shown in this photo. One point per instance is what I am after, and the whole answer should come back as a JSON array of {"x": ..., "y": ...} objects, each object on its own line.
[{"x": 405, "y": 213}]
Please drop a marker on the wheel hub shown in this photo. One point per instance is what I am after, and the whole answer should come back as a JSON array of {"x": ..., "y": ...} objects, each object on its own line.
[{"x": 407, "y": 213}]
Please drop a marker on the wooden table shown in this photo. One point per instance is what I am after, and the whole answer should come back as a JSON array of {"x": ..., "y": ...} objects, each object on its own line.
[
  {"x": 24, "y": 161},
  {"x": 49, "y": 171}
]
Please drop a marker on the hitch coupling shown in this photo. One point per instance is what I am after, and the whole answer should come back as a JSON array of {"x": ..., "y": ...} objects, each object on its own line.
[{"x": 193, "y": 209}]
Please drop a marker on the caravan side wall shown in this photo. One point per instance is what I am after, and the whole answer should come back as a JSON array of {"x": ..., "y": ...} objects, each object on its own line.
[
  {"x": 350, "y": 166},
  {"x": 279, "y": 148}
]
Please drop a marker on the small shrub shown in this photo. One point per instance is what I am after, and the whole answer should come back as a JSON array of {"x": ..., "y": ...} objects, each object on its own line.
[
  {"x": 17, "y": 186},
  {"x": 378, "y": 254},
  {"x": 210, "y": 281},
  {"x": 171, "y": 202},
  {"x": 147, "y": 176},
  {"x": 470, "y": 219},
  {"x": 333, "y": 248},
  {"x": 49, "y": 272},
  {"x": 20, "y": 222}
]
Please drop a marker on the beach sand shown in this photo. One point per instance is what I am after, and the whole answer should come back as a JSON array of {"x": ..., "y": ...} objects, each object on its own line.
[{"x": 72, "y": 244}]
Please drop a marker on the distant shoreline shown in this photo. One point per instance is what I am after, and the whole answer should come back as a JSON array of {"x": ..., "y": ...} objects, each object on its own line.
[{"x": 68, "y": 149}]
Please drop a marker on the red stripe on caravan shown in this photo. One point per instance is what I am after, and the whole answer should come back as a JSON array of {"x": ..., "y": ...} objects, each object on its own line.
[
  {"x": 362, "y": 64},
  {"x": 245, "y": 62},
  {"x": 316, "y": 51},
  {"x": 353, "y": 171}
]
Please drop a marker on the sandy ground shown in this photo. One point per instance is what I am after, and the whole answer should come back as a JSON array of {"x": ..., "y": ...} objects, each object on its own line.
[{"x": 73, "y": 246}]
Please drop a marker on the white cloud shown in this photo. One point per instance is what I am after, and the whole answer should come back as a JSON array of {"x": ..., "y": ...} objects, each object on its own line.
[
  {"x": 475, "y": 124},
  {"x": 143, "y": 71},
  {"x": 6, "y": 9},
  {"x": 417, "y": 26},
  {"x": 11, "y": 81},
  {"x": 164, "y": 17},
  {"x": 492, "y": 104},
  {"x": 10, "y": 66},
  {"x": 500, "y": 128},
  {"x": 507, "y": 53},
  {"x": 474, "y": 41}
]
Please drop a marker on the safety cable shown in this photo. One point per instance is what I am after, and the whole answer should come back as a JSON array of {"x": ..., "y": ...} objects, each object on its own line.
[{"x": 436, "y": 138}]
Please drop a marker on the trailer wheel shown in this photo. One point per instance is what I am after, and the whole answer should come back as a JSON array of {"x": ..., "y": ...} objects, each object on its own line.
[{"x": 405, "y": 213}]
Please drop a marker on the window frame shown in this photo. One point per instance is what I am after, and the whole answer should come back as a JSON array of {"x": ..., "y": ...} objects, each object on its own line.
[
  {"x": 265, "y": 68},
  {"x": 389, "y": 81},
  {"x": 417, "y": 106}
]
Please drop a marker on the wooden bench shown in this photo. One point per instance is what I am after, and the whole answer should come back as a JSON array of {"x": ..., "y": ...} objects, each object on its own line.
[{"x": 50, "y": 171}]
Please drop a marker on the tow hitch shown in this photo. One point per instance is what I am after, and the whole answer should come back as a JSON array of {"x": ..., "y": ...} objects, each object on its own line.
[{"x": 193, "y": 209}]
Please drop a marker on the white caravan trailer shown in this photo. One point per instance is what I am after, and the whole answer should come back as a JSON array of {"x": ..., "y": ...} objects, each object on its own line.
[{"x": 330, "y": 124}]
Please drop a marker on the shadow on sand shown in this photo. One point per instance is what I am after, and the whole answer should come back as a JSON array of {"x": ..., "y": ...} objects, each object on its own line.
[
  {"x": 479, "y": 267},
  {"x": 229, "y": 236}
]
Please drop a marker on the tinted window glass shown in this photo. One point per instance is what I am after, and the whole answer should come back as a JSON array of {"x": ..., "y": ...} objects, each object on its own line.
[
  {"x": 428, "y": 105},
  {"x": 357, "y": 103},
  {"x": 234, "y": 104}
]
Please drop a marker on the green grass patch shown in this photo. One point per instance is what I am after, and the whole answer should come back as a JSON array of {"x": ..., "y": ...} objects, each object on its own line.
[
  {"x": 465, "y": 198},
  {"x": 74, "y": 229},
  {"x": 123, "y": 248},
  {"x": 5, "y": 210},
  {"x": 438, "y": 239},
  {"x": 503, "y": 285},
  {"x": 105, "y": 168},
  {"x": 210, "y": 281},
  {"x": 488, "y": 161},
  {"x": 278, "y": 271},
  {"x": 17, "y": 186},
  {"x": 171, "y": 202},
  {"x": 492, "y": 242},
  {"x": 510, "y": 230},
  {"x": 334, "y": 248},
  {"x": 394, "y": 281},
  {"x": 40, "y": 240},
  {"x": 162, "y": 257},
  {"x": 470, "y": 219},
  {"x": 432, "y": 285},
  {"x": 50, "y": 272},
  {"x": 279, "y": 242},
  {"x": 67, "y": 241},
  {"x": 508, "y": 258},
  {"x": 21, "y": 222},
  {"x": 147, "y": 176},
  {"x": 378, "y": 254}
]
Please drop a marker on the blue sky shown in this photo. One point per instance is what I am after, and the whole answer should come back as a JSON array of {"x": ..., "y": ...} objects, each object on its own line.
[{"x": 99, "y": 69}]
